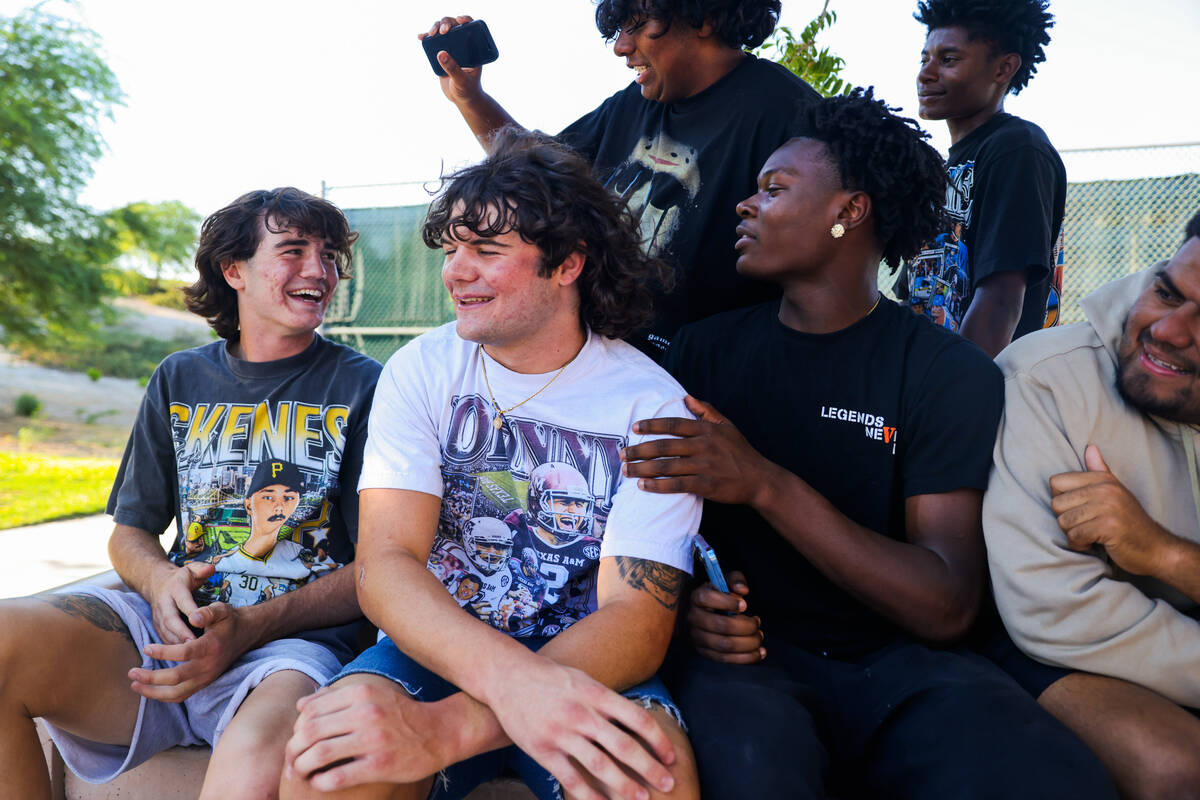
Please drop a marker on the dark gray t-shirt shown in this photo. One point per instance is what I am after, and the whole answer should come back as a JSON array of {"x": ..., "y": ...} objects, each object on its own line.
[{"x": 251, "y": 460}]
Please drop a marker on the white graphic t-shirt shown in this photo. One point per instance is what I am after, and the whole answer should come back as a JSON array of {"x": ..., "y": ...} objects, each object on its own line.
[{"x": 528, "y": 508}]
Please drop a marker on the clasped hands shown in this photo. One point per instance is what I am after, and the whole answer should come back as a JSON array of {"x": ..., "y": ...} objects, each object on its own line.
[{"x": 202, "y": 658}]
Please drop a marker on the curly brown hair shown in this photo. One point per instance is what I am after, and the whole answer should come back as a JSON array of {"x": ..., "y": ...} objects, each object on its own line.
[
  {"x": 234, "y": 233},
  {"x": 548, "y": 195}
]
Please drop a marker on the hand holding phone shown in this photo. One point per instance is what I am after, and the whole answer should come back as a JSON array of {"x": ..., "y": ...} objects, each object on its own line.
[
  {"x": 470, "y": 44},
  {"x": 718, "y": 625},
  {"x": 709, "y": 558}
]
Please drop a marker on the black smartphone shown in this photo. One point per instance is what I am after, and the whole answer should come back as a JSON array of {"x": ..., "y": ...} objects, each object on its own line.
[{"x": 471, "y": 45}]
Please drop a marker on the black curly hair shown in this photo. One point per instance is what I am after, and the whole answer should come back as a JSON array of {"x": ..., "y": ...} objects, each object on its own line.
[
  {"x": 548, "y": 194},
  {"x": 885, "y": 155},
  {"x": 1012, "y": 26},
  {"x": 1193, "y": 228},
  {"x": 233, "y": 234},
  {"x": 738, "y": 23}
]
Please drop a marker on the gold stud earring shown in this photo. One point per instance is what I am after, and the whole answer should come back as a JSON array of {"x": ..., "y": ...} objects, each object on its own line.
[{"x": 838, "y": 230}]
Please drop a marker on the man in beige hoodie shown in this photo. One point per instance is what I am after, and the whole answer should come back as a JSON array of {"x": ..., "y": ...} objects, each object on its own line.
[{"x": 1092, "y": 520}]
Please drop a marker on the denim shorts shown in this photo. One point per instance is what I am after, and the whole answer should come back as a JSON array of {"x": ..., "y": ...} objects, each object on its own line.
[{"x": 457, "y": 781}]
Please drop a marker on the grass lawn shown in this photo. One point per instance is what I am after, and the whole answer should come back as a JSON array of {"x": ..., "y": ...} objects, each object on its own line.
[{"x": 36, "y": 488}]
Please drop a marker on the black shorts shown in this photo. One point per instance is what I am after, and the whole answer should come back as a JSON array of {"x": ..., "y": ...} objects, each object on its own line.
[{"x": 993, "y": 643}]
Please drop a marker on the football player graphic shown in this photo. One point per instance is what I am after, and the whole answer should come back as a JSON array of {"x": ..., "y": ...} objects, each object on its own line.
[
  {"x": 489, "y": 543},
  {"x": 484, "y": 555},
  {"x": 560, "y": 503},
  {"x": 559, "y": 528}
]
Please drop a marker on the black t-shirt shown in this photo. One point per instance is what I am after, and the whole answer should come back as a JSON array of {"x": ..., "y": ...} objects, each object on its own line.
[
  {"x": 886, "y": 409},
  {"x": 683, "y": 167},
  {"x": 1005, "y": 201}
]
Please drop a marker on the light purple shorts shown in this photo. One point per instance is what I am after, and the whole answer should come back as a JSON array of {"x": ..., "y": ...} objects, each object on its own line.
[{"x": 199, "y": 719}]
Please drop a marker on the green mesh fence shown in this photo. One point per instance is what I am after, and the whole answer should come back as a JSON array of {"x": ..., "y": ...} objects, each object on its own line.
[{"x": 1126, "y": 209}]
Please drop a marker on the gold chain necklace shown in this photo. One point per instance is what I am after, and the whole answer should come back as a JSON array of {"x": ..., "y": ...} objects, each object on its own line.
[{"x": 498, "y": 422}]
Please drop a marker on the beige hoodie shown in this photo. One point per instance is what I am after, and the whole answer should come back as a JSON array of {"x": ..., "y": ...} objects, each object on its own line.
[{"x": 1072, "y": 609}]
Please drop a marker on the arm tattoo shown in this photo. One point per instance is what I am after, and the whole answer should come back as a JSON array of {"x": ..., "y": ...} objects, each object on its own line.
[
  {"x": 663, "y": 583},
  {"x": 90, "y": 609}
]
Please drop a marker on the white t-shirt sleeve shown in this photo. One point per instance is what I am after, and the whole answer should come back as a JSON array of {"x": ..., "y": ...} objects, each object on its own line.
[
  {"x": 402, "y": 449},
  {"x": 655, "y": 527}
]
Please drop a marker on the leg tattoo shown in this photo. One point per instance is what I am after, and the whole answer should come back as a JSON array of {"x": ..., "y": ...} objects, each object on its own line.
[{"x": 91, "y": 609}]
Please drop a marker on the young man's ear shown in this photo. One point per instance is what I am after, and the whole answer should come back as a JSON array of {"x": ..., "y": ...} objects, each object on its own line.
[
  {"x": 232, "y": 271},
  {"x": 1007, "y": 66},
  {"x": 855, "y": 210},
  {"x": 570, "y": 269}
]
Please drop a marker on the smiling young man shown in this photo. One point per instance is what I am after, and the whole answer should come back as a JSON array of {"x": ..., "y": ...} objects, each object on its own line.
[
  {"x": 220, "y": 636},
  {"x": 682, "y": 143},
  {"x": 1092, "y": 519},
  {"x": 842, "y": 460},
  {"x": 507, "y": 421},
  {"x": 994, "y": 271}
]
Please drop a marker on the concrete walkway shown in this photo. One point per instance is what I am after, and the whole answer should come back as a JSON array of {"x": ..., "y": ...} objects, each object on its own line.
[{"x": 43, "y": 556}]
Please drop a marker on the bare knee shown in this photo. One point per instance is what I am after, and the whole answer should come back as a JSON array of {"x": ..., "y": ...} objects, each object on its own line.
[
  {"x": 1172, "y": 773},
  {"x": 293, "y": 787},
  {"x": 248, "y": 759},
  {"x": 1150, "y": 745},
  {"x": 683, "y": 770}
]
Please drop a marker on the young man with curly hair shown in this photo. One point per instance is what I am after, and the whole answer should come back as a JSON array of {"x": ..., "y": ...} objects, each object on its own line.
[
  {"x": 992, "y": 273},
  {"x": 484, "y": 433},
  {"x": 682, "y": 143},
  {"x": 252, "y": 444},
  {"x": 843, "y": 450}
]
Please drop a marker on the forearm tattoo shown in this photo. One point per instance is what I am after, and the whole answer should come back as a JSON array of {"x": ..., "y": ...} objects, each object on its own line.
[
  {"x": 663, "y": 583},
  {"x": 90, "y": 609}
]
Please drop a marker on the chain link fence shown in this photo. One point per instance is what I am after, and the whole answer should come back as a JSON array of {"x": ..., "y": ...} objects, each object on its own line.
[{"x": 1126, "y": 209}]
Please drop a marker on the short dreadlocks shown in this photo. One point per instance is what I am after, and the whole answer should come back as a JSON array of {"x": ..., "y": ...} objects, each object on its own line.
[{"x": 886, "y": 156}]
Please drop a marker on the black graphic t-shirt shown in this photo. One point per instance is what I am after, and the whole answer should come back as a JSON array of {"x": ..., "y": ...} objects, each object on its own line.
[
  {"x": 684, "y": 167},
  {"x": 252, "y": 460},
  {"x": 1005, "y": 204},
  {"x": 532, "y": 504},
  {"x": 889, "y": 408}
]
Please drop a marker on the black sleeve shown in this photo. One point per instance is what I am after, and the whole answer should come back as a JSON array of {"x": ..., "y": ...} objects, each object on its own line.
[
  {"x": 1015, "y": 196},
  {"x": 584, "y": 134},
  {"x": 678, "y": 362},
  {"x": 144, "y": 494},
  {"x": 949, "y": 428},
  {"x": 351, "y": 467}
]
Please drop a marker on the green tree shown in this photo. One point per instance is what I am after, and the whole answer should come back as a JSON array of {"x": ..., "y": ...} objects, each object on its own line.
[
  {"x": 160, "y": 235},
  {"x": 56, "y": 89},
  {"x": 802, "y": 56}
]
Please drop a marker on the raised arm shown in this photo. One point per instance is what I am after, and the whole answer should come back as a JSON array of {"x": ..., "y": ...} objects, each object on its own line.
[
  {"x": 929, "y": 585},
  {"x": 463, "y": 88}
]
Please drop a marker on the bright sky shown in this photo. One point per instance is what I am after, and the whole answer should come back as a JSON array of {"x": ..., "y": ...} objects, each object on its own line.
[{"x": 226, "y": 96}]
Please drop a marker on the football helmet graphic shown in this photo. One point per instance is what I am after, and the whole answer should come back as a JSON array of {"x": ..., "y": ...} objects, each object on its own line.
[
  {"x": 560, "y": 500},
  {"x": 489, "y": 543}
]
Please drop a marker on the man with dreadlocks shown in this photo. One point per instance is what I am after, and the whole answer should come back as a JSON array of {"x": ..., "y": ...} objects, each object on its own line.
[
  {"x": 843, "y": 453},
  {"x": 992, "y": 273},
  {"x": 681, "y": 143}
]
